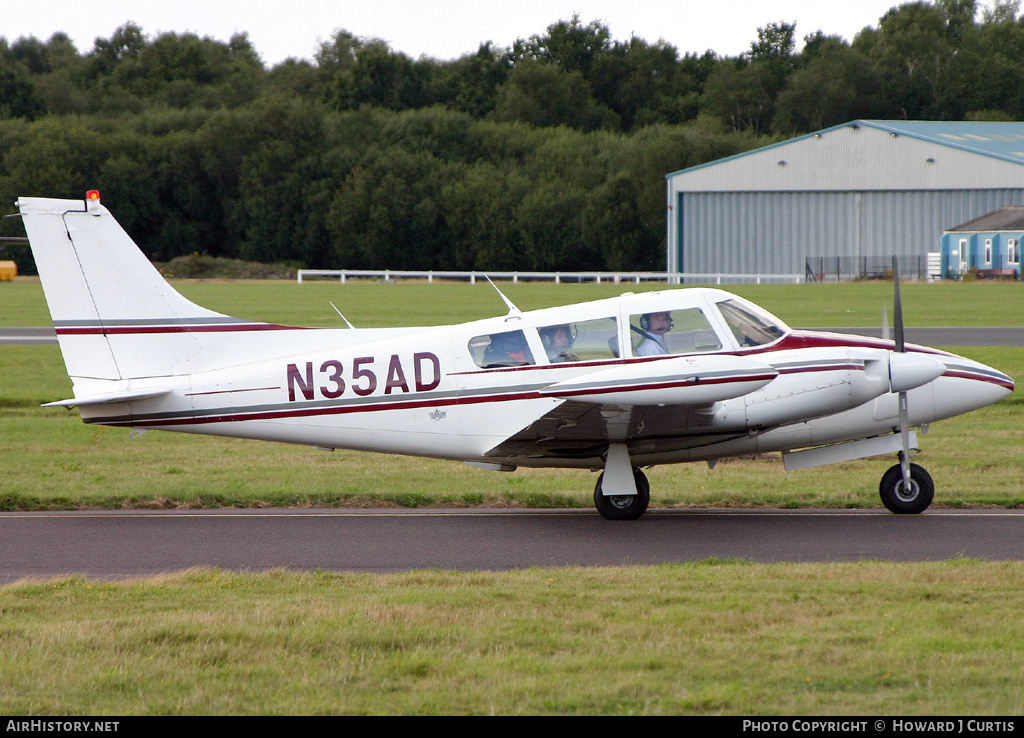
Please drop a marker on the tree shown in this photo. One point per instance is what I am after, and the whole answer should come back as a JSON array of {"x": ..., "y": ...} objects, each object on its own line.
[
  {"x": 742, "y": 92},
  {"x": 17, "y": 95},
  {"x": 775, "y": 43},
  {"x": 834, "y": 85},
  {"x": 913, "y": 52},
  {"x": 613, "y": 223},
  {"x": 742, "y": 95},
  {"x": 387, "y": 213},
  {"x": 550, "y": 219},
  {"x": 644, "y": 83},
  {"x": 470, "y": 83},
  {"x": 569, "y": 45},
  {"x": 989, "y": 65},
  {"x": 478, "y": 210},
  {"x": 380, "y": 77},
  {"x": 543, "y": 95}
]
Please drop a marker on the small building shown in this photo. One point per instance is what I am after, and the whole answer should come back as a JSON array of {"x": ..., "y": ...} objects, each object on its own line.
[{"x": 988, "y": 246}]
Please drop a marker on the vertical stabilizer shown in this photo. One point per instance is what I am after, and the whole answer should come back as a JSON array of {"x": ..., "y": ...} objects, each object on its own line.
[{"x": 115, "y": 316}]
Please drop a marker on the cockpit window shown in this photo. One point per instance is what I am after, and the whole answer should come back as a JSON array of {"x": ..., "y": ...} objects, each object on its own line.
[
  {"x": 587, "y": 340},
  {"x": 750, "y": 326},
  {"x": 672, "y": 332},
  {"x": 501, "y": 349}
]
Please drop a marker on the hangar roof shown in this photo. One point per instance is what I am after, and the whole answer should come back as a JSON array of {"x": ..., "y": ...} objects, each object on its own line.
[{"x": 1001, "y": 140}]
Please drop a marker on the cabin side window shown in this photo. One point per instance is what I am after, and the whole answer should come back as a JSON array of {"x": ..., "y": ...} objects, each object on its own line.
[
  {"x": 586, "y": 340},
  {"x": 672, "y": 332},
  {"x": 501, "y": 349}
]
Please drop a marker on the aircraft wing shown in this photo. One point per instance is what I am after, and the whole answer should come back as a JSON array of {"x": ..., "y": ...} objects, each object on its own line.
[
  {"x": 582, "y": 430},
  {"x": 659, "y": 406}
]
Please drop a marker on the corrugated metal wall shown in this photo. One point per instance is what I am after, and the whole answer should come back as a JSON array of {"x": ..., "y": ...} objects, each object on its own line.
[{"x": 774, "y": 232}]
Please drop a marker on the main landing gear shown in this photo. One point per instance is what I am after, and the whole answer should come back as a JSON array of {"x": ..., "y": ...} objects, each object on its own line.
[
  {"x": 624, "y": 507},
  {"x": 901, "y": 500}
]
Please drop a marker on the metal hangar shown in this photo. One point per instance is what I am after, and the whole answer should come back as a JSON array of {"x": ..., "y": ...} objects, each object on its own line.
[{"x": 864, "y": 189}]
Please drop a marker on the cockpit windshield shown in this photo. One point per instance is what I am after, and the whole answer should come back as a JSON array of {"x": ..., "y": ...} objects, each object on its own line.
[{"x": 750, "y": 325}]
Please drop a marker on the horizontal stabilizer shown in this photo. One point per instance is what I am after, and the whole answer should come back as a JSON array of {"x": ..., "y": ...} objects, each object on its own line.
[
  {"x": 109, "y": 397},
  {"x": 687, "y": 380}
]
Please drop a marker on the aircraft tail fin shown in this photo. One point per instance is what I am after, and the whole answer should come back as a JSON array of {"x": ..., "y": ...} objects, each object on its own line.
[{"x": 115, "y": 316}]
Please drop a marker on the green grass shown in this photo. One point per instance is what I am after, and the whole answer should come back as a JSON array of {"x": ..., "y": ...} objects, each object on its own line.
[
  {"x": 706, "y": 638},
  {"x": 371, "y": 304}
]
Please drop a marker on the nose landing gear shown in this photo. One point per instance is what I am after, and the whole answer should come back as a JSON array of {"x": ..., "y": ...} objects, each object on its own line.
[{"x": 903, "y": 500}]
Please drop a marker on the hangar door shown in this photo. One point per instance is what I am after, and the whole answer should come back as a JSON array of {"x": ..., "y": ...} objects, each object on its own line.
[{"x": 775, "y": 232}]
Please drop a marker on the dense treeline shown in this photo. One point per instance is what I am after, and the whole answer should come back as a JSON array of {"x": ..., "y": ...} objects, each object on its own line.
[{"x": 549, "y": 154}]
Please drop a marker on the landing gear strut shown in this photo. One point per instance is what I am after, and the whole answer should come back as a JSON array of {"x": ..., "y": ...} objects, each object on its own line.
[
  {"x": 624, "y": 507},
  {"x": 901, "y": 500}
]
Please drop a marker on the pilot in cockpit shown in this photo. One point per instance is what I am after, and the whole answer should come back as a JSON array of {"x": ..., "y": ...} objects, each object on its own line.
[{"x": 654, "y": 326}]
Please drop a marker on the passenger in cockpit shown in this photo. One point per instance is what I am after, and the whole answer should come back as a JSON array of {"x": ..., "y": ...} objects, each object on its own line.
[
  {"x": 558, "y": 340},
  {"x": 507, "y": 349}
]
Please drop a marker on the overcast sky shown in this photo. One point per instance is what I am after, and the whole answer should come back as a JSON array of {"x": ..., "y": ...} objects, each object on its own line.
[{"x": 443, "y": 29}]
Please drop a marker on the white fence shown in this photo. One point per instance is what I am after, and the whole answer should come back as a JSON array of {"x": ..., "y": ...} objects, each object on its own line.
[{"x": 558, "y": 277}]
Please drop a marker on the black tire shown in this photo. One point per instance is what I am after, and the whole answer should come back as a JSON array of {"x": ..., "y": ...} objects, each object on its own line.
[
  {"x": 917, "y": 500},
  {"x": 623, "y": 507}
]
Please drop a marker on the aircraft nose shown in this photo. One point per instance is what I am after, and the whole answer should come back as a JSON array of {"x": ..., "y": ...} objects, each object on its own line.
[
  {"x": 982, "y": 373},
  {"x": 969, "y": 385}
]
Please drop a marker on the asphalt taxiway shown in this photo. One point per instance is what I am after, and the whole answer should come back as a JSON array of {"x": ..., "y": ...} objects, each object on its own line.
[{"x": 139, "y": 543}]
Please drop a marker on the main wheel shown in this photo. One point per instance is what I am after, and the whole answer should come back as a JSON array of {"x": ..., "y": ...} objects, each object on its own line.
[
  {"x": 902, "y": 501},
  {"x": 623, "y": 507}
]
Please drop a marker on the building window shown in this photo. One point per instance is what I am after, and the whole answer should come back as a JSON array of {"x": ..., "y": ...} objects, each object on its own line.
[
  {"x": 1012, "y": 251},
  {"x": 988, "y": 251}
]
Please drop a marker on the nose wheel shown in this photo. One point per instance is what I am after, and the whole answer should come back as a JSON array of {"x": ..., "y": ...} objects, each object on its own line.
[
  {"x": 623, "y": 507},
  {"x": 904, "y": 500}
]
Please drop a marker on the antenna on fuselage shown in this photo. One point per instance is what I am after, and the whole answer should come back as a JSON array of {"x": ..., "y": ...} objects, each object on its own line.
[
  {"x": 342, "y": 316},
  {"x": 512, "y": 309}
]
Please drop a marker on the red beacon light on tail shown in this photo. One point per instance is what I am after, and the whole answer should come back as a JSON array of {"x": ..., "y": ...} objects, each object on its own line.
[{"x": 92, "y": 201}]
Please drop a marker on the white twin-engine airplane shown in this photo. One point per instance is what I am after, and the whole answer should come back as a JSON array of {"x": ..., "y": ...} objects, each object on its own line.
[{"x": 614, "y": 385}]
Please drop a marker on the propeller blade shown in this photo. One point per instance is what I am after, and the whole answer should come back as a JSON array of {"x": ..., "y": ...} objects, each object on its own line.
[
  {"x": 897, "y": 319},
  {"x": 897, "y": 310}
]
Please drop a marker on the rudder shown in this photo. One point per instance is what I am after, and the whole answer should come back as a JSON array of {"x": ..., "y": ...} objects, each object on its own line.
[{"x": 115, "y": 316}]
